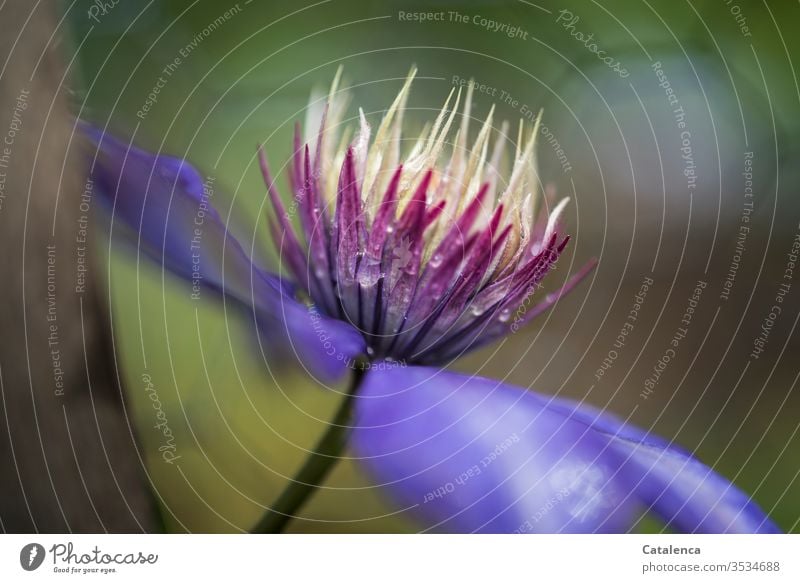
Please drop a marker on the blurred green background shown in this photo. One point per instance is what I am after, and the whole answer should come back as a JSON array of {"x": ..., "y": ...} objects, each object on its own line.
[{"x": 241, "y": 425}]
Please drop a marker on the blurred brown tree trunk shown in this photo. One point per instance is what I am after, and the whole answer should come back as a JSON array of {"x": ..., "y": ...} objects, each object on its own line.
[{"x": 68, "y": 457}]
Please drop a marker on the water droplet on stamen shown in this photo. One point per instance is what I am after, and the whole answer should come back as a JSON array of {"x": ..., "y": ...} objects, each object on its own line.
[{"x": 368, "y": 278}]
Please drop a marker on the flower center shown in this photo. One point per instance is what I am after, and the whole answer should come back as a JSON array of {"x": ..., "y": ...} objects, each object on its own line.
[{"x": 428, "y": 255}]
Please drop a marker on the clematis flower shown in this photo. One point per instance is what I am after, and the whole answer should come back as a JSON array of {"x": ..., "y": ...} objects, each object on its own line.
[{"x": 407, "y": 258}]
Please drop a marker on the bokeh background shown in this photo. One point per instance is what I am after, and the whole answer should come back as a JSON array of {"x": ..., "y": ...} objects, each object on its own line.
[{"x": 242, "y": 425}]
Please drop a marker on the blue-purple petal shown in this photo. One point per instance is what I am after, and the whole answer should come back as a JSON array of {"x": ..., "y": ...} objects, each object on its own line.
[
  {"x": 685, "y": 493},
  {"x": 474, "y": 455},
  {"x": 688, "y": 495},
  {"x": 470, "y": 454},
  {"x": 164, "y": 203}
]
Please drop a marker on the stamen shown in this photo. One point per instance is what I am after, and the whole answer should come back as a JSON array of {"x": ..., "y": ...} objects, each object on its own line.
[{"x": 426, "y": 261}]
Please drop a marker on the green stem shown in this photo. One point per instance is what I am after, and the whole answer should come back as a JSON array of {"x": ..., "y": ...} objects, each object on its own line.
[{"x": 318, "y": 464}]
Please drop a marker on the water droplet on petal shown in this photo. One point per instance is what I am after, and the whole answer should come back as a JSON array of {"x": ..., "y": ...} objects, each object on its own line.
[
  {"x": 370, "y": 351},
  {"x": 436, "y": 260},
  {"x": 389, "y": 228},
  {"x": 475, "y": 311},
  {"x": 319, "y": 272},
  {"x": 504, "y": 315}
]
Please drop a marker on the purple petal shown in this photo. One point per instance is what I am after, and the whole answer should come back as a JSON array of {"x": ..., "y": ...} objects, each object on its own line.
[
  {"x": 349, "y": 235},
  {"x": 685, "y": 493},
  {"x": 445, "y": 261},
  {"x": 314, "y": 217},
  {"x": 161, "y": 199},
  {"x": 459, "y": 307},
  {"x": 473, "y": 454},
  {"x": 371, "y": 268},
  {"x": 403, "y": 257},
  {"x": 502, "y": 306},
  {"x": 688, "y": 495},
  {"x": 286, "y": 242}
]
